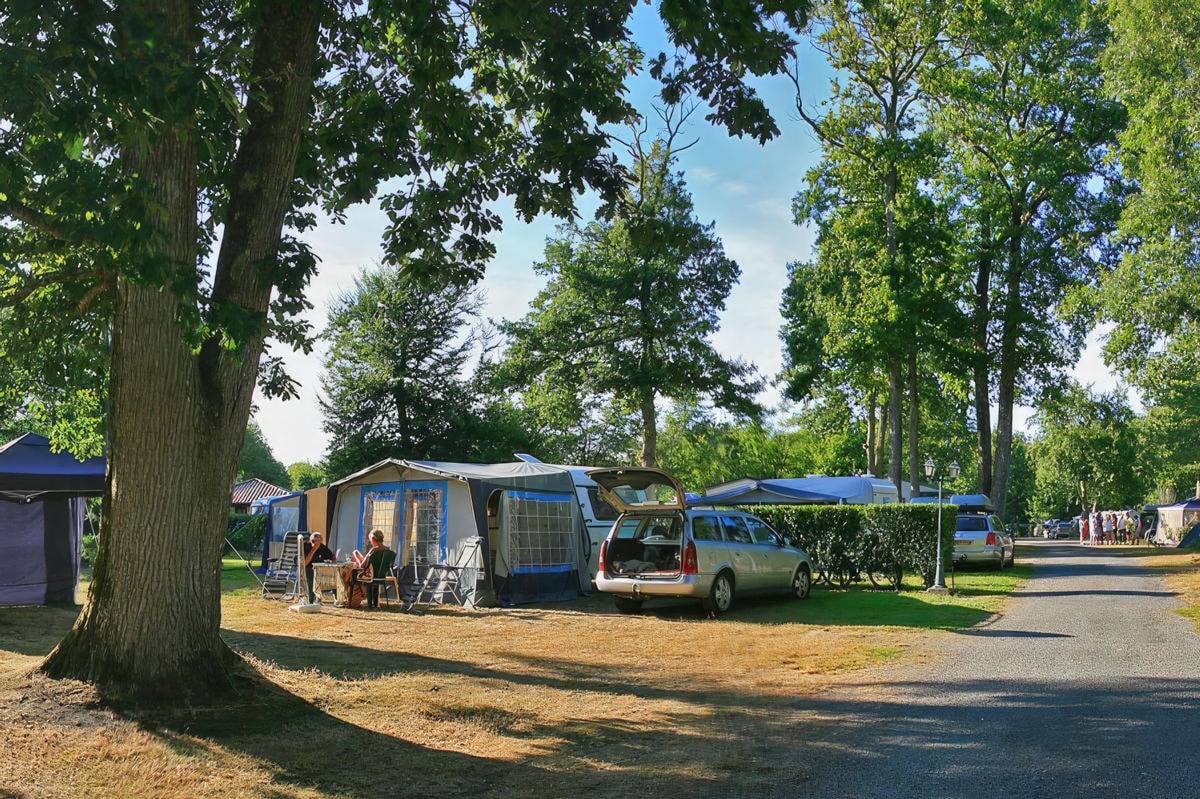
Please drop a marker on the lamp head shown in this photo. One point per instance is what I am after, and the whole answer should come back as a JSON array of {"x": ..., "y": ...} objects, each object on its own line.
[
  {"x": 930, "y": 468},
  {"x": 954, "y": 469}
]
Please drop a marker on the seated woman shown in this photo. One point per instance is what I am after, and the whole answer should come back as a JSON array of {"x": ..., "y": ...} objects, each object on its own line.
[{"x": 362, "y": 574}]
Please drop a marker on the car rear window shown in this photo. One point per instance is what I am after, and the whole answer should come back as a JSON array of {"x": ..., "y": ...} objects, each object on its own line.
[{"x": 972, "y": 524}]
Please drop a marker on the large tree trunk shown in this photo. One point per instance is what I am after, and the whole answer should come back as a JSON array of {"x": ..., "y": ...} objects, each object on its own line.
[
  {"x": 980, "y": 361},
  {"x": 1010, "y": 335},
  {"x": 151, "y": 625},
  {"x": 869, "y": 444},
  {"x": 649, "y": 429},
  {"x": 895, "y": 419},
  {"x": 914, "y": 428}
]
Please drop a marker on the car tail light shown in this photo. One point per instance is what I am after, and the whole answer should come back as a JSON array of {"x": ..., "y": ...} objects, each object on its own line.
[
  {"x": 689, "y": 558},
  {"x": 600, "y": 560},
  {"x": 991, "y": 539}
]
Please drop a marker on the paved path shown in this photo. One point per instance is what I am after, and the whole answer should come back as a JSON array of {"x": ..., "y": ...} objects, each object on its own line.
[{"x": 1088, "y": 685}]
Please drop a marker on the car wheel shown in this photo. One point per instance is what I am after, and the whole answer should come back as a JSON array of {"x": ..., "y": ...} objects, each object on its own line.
[
  {"x": 801, "y": 582},
  {"x": 720, "y": 596},
  {"x": 626, "y": 605}
]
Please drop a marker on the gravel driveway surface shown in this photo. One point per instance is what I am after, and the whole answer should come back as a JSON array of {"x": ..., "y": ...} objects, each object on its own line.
[{"x": 1088, "y": 685}]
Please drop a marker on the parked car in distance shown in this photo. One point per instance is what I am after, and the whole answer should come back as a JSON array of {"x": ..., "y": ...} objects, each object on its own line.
[
  {"x": 658, "y": 547},
  {"x": 979, "y": 535},
  {"x": 1064, "y": 528}
]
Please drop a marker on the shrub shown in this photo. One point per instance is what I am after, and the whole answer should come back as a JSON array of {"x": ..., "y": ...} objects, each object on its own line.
[
  {"x": 88, "y": 551},
  {"x": 845, "y": 541},
  {"x": 828, "y": 533},
  {"x": 246, "y": 532},
  {"x": 908, "y": 535}
]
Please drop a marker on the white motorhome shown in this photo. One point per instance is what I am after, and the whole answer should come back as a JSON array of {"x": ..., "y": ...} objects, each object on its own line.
[{"x": 598, "y": 515}]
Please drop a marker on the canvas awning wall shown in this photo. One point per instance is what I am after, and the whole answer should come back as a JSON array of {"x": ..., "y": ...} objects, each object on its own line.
[
  {"x": 762, "y": 492},
  {"x": 41, "y": 520}
]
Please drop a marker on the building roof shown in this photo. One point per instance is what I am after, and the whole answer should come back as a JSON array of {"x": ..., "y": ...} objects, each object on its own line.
[{"x": 247, "y": 491}]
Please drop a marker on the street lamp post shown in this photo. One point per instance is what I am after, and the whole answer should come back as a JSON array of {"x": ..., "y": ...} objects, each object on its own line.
[{"x": 939, "y": 578}]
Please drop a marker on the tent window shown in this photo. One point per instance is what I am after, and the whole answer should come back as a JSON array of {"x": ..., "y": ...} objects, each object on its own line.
[
  {"x": 541, "y": 532},
  {"x": 423, "y": 525},
  {"x": 379, "y": 510}
]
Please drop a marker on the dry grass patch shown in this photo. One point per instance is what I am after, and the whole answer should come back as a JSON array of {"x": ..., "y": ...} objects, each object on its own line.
[
  {"x": 1182, "y": 574},
  {"x": 569, "y": 698}
]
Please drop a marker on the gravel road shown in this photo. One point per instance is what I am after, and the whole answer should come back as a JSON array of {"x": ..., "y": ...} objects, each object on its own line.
[{"x": 1087, "y": 685}]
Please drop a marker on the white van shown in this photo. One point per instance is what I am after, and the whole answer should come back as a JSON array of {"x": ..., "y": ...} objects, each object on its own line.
[{"x": 598, "y": 515}]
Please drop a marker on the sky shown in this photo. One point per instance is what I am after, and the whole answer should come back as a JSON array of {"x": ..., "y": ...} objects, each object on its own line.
[{"x": 744, "y": 188}]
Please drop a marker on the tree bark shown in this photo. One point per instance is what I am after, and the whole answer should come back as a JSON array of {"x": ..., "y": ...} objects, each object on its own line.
[
  {"x": 914, "y": 428},
  {"x": 649, "y": 429},
  {"x": 981, "y": 360},
  {"x": 1006, "y": 393},
  {"x": 150, "y": 628},
  {"x": 895, "y": 418},
  {"x": 869, "y": 444}
]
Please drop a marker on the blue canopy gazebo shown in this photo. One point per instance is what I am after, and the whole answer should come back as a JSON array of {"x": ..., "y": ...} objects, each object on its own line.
[{"x": 41, "y": 520}]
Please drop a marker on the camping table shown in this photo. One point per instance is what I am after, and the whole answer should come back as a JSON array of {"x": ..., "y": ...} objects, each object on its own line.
[{"x": 332, "y": 577}]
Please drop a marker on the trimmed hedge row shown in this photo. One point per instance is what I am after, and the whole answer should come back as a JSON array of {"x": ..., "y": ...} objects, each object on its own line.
[{"x": 846, "y": 541}]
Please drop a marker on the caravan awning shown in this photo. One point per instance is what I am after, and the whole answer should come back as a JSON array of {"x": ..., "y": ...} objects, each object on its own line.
[{"x": 764, "y": 492}]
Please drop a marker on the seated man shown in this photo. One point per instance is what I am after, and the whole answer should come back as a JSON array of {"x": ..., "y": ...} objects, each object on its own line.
[{"x": 315, "y": 551}]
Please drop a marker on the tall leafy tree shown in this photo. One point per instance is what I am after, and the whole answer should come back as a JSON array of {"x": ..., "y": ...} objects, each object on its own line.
[
  {"x": 1024, "y": 113},
  {"x": 1084, "y": 455},
  {"x": 871, "y": 298},
  {"x": 259, "y": 461},
  {"x": 136, "y": 132},
  {"x": 396, "y": 379},
  {"x": 305, "y": 475},
  {"x": 631, "y": 304},
  {"x": 1153, "y": 295},
  {"x": 66, "y": 401}
]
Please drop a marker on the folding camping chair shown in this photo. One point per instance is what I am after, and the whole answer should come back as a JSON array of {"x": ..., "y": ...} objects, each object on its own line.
[
  {"x": 444, "y": 581},
  {"x": 282, "y": 578}
]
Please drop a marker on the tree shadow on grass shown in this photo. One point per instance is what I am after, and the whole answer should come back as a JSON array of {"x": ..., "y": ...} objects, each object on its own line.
[{"x": 588, "y": 751}]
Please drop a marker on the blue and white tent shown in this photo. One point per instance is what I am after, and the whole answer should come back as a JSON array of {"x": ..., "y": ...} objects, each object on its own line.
[
  {"x": 284, "y": 514},
  {"x": 519, "y": 524}
]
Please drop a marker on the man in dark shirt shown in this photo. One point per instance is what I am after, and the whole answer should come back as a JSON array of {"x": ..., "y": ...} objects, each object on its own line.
[{"x": 315, "y": 551}]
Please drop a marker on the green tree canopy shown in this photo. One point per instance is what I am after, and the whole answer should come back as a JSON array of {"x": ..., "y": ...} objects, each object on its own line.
[
  {"x": 398, "y": 377},
  {"x": 258, "y": 460},
  {"x": 631, "y": 304}
]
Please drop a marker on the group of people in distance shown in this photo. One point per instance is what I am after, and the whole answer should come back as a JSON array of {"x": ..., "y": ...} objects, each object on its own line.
[
  {"x": 315, "y": 551},
  {"x": 1108, "y": 527}
]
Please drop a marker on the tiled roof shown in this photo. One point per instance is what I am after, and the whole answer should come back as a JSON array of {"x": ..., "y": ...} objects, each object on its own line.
[{"x": 247, "y": 491}]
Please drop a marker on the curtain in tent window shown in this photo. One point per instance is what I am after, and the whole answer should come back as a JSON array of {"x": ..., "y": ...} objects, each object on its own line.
[
  {"x": 380, "y": 508},
  {"x": 424, "y": 526}
]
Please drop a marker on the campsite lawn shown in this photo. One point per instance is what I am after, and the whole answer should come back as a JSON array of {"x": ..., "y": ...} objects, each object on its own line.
[{"x": 572, "y": 698}]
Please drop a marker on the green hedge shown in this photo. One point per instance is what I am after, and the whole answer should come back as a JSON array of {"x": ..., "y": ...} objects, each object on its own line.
[{"x": 845, "y": 541}]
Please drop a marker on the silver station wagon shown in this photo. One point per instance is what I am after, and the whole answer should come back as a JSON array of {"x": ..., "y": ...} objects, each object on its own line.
[{"x": 658, "y": 547}]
